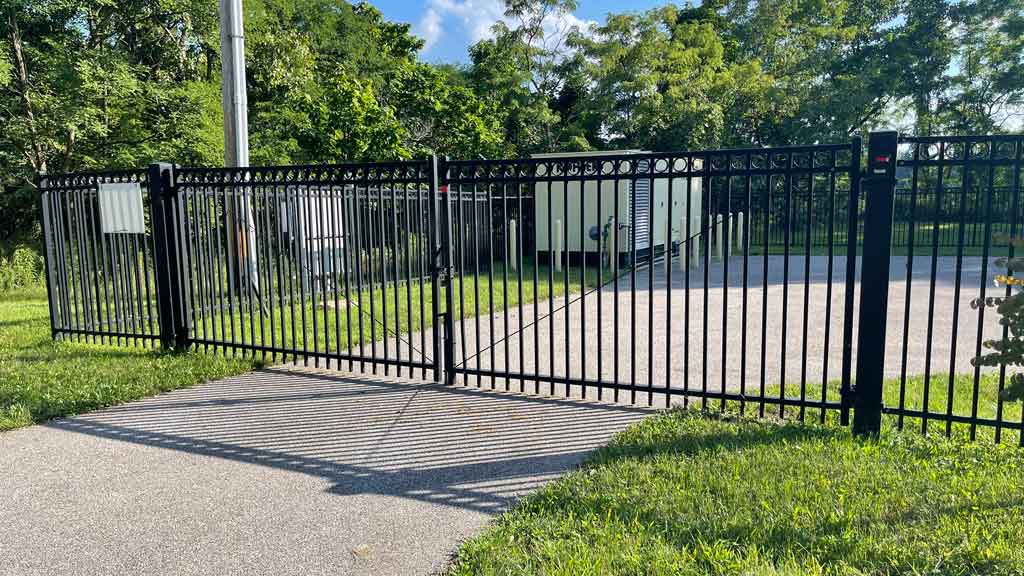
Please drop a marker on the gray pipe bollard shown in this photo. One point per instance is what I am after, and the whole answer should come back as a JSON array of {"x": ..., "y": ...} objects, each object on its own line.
[
  {"x": 557, "y": 243},
  {"x": 513, "y": 250}
]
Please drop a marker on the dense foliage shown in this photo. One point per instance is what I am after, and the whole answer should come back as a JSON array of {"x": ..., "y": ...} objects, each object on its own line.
[{"x": 88, "y": 84}]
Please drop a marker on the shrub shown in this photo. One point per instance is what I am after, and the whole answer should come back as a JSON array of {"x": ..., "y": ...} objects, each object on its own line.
[
  {"x": 20, "y": 269},
  {"x": 1009, "y": 350}
]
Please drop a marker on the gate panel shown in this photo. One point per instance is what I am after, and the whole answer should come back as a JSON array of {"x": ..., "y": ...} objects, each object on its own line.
[
  {"x": 713, "y": 277},
  {"x": 329, "y": 265},
  {"x": 98, "y": 239},
  {"x": 644, "y": 277},
  {"x": 963, "y": 200}
]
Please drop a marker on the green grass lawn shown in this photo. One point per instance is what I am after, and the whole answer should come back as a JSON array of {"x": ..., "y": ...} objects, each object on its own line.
[
  {"x": 369, "y": 315},
  {"x": 687, "y": 493},
  {"x": 988, "y": 407},
  {"x": 974, "y": 236},
  {"x": 41, "y": 379}
]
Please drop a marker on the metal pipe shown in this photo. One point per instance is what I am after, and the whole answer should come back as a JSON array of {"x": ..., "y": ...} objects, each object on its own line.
[
  {"x": 233, "y": 86},
  {"x": 558, "y": 245}
]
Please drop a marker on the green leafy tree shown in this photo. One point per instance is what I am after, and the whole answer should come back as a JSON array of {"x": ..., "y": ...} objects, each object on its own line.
[
  {"x": 443, "y": 117},
  {"x": 985, "y": 94},
  {"x": 830, "y": 63},
  {"x": 660, "y": 82},
  {"x": 346, "y": 122},
  {"x": 333, "y": 82},
  {"x": 520, "y": 71},
  {"x": 925, "y": 44},
  {"x": 119, "y": 90}
]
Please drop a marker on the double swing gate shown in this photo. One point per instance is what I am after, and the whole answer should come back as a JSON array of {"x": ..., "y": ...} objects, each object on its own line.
[{"x": 806, "y": 282}]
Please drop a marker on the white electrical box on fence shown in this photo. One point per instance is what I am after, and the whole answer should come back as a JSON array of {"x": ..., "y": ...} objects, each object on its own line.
[{"x": 121, "y": 208}]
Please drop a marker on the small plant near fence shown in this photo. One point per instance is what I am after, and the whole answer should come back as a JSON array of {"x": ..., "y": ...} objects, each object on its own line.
[
  {"x": 21, "y": 269},
  {"x": 1008, "y": 352}
]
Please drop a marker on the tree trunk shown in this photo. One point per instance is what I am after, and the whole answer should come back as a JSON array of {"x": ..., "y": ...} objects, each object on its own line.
[
  {"x": 922, "y": 114},
  {"x": 35, "y": 154}
]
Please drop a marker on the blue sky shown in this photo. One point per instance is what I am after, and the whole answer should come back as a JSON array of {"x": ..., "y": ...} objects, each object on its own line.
[{"x": 450, "y": 26}]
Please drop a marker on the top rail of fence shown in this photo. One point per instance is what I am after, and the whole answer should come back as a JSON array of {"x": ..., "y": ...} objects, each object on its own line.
[
  {"x": 88, "y": 179},
  {"x": 962, "y": 138},
  {"x": 955, "y": 151},
  {"x": 399, "y": 172},
  {"x": 627, "y": 165},
  {"x": 597, "y": 164}
]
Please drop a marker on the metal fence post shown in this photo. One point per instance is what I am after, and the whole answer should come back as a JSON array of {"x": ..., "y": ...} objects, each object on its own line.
[
  {"x": 440, "y": 260},
  {"x": 48, "y": 257},
  {"x": 879, "y": 187},
  {"x": 166, "y": 266},
  {"x": 449, "y": 272},
  {"x": 852, "y": 230}
]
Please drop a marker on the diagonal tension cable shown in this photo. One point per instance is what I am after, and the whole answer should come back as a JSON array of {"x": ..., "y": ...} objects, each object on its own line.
[{"x": 579, "y": 297}]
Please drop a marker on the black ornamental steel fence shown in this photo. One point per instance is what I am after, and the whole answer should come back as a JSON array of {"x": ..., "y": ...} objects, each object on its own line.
[
  {"x": 101, "y": 283},
  {"x": 963, "y": 205},
  {"x": 637, "y": 260},
  {"x": 811, "y": 282},
  {"x": 323, "y": 264}
]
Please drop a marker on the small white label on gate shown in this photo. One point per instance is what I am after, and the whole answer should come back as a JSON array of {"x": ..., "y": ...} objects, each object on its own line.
[{"x": 121, "y": 208}]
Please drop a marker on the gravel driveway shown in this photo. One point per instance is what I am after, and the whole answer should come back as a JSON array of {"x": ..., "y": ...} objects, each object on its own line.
[{"x": 775, "y": 327}]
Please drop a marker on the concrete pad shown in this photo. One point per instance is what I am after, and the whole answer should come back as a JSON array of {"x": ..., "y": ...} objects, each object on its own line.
[{"x": 283, "y": 471}]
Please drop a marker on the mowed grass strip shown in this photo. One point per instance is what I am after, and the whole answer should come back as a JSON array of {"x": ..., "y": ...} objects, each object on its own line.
[
  {"x": 366, "y": 316},
  {"x": 954, "y": 396},
  {"x": 691, "y": 493},
  {"x": 924, "y": 236},
  {"x": 42, "y": 379}
]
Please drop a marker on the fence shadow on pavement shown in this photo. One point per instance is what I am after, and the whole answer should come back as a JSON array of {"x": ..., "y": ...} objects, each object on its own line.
[{"x": 472, "y": 449}]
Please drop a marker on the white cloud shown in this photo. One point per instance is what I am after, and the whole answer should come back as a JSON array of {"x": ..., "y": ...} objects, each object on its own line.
[
  {"x": 472, "y": 20},
  {"x": 566, "y": 22},
  {"x": 429, "y": 28}
]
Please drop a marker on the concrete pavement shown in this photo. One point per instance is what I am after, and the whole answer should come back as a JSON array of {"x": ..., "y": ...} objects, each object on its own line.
[{"x": 282, "y": 471}]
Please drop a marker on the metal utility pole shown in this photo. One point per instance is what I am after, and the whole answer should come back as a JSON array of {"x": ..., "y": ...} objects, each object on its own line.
[
  {"x": 239, "y": 214},
  {"x": 233, "y": 93}
]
